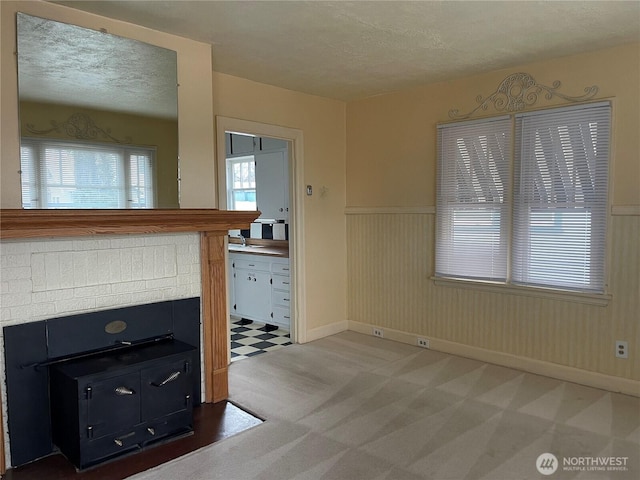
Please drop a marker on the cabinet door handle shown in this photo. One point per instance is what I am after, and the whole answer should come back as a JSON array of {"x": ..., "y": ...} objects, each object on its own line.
[
  {"x": 151, "y": 430},
  {"x": 170, "y": 378},
  {"x": 118, "y": 442},
  {"x": 285, "y": 283},
  {"x": 124, "y": 391}
]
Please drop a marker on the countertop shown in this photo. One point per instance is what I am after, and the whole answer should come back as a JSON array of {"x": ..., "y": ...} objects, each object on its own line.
[{"x": 265, "y": 247}]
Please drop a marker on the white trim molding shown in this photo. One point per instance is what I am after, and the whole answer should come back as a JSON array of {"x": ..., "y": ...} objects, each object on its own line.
[
  {"x": 630, "y": 210},
  {"x": 618, "y": 210},
  {"x": 296, "y": 176},
  {"x": 327, "y": 330},
  {"x": 598, "y": 299},
  {"x": 538, "y": 367},
  {"x": 425, "y": 210}
]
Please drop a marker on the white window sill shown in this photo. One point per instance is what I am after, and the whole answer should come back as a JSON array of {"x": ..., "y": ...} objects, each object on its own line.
[{"x": 598, "y": 299}]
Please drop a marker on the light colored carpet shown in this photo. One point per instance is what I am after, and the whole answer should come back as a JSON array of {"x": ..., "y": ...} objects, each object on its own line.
[{"x": 354, "y": 407}]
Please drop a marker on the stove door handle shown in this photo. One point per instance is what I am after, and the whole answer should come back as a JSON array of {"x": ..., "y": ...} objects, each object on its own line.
[
  {"x": 124, "y": 391},
  {"x": 170, "y": 378}
]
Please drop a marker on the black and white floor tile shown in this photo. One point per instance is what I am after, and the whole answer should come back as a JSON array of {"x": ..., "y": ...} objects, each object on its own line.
[{"x": 255, "y": 338}]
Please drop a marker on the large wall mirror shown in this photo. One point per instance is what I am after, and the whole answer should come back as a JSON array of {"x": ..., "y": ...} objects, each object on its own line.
[{"x": 98, "y": 119}]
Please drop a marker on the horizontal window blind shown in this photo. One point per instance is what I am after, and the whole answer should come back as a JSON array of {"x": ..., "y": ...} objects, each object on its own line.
[
  {"x": 560, "y": 197},
  {"x": 58, "y": 174},
  {"x": 140, "y": 179},
  {"x": 472, "y": 190}
]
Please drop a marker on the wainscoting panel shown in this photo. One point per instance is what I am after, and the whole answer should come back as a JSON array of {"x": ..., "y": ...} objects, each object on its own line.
[{"x": 390, "y": 265}]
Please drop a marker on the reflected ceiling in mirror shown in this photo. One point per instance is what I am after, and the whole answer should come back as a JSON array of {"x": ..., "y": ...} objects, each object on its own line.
[
  {"x": 79, "y": 86},
  {"x": 70, "y": 65}
]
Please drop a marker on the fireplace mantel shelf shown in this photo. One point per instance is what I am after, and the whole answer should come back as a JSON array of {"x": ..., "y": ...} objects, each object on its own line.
[{"x": 17, "y": 223}]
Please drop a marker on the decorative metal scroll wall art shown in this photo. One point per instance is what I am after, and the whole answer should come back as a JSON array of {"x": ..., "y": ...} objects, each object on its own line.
[
  {"x": 518, "y": 91},
  {"x": 79, "y": 126}
]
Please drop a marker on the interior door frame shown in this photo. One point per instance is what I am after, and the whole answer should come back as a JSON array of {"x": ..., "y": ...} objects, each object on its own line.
[{"x": 296, "y": 205}]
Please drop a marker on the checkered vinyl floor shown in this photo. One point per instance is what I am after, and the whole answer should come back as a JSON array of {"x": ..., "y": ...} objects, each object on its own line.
[{"x": 254, "y": 339}]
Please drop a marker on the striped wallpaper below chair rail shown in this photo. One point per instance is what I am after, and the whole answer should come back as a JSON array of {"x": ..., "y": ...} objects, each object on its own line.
[{"x": 390, "y": 259}]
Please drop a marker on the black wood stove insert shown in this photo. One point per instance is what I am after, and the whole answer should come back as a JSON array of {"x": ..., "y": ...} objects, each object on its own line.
[
  {"x": 105, "y": 405},
  {"x": 102, "y": 384}
]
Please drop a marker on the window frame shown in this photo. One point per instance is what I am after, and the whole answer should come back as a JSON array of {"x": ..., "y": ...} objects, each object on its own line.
[
  {"x": 581, "y": 295},
  {"x": 230, "y": 162}
]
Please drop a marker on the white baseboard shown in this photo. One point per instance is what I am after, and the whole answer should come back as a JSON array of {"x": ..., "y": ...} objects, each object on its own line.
[
  {"x": 325, "y": 331},
  {"x": 548, "y": 369}
]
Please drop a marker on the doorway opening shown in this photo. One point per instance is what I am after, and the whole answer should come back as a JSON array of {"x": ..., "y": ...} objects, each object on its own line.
[{"x": 262, "y": 170}]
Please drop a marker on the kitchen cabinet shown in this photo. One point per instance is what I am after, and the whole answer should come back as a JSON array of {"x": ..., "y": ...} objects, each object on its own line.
[
  {"x": 281, "y": 294},
  {"x": 268, "y": 143},
  {"x": 237, "y": 144},
  {"x": 260, "y": 288},
  {"x": 252, "y": 287},
  {"x": 272, "y": 185}
]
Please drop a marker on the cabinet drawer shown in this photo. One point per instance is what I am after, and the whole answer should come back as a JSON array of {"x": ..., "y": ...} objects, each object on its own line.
[
  {"x": 251, "y": 265},
  {"x": 177, "y": 423},
  {"x": 110, "y": 445},
  {"x": 280, "y": 282},
  {"x": 281, "y": 268},
  {"x": 282, "y": 316},
  {"x": 281, "y": 298}
]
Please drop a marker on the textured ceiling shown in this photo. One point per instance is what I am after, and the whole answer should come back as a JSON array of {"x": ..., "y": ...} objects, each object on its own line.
[
  {"x": 66, "y": 64},
  {"x": 351, "y": 50}
]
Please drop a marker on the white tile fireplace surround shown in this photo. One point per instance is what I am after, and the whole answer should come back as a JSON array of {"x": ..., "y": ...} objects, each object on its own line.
[{"x": 44, "y": 278}]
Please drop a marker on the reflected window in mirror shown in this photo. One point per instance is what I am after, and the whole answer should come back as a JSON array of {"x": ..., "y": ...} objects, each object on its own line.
[
  {"x": 98, "y": 118},
  {"x": 81, "y": 175}
]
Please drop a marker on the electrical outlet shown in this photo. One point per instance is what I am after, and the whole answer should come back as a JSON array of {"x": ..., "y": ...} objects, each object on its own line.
[
  {"x": 378, "y": 332},
  {"x": 622, "y": 349},
  {"x": 423, "y": 342}
]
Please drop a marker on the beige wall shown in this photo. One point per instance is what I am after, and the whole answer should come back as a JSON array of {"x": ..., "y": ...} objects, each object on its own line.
[
  {"x": 137, "y": 130},
  {"x": 194, "y": 100},
  {"x": 391, "y": 162},
  {"x": 399, "y": 130},
  {"x": 322, "y": 122}
]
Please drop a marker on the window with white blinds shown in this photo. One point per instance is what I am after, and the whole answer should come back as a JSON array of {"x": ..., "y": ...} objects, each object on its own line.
[
  {"x": 474, "y": 183},
  {"x": 59, "y": 174},
  {"x": 560, "y": 199},
  {"x": 550, "y": 229}
]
